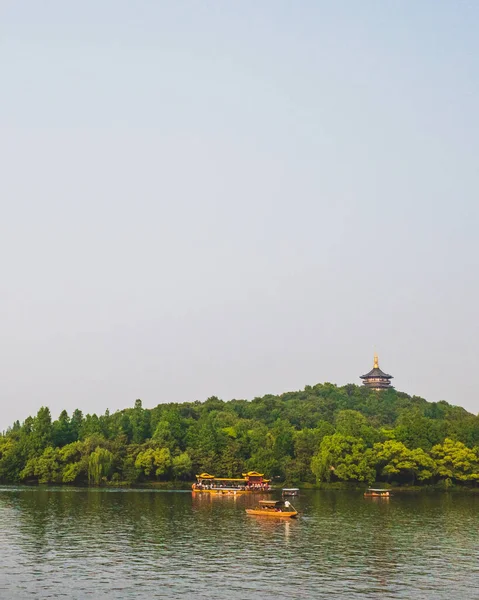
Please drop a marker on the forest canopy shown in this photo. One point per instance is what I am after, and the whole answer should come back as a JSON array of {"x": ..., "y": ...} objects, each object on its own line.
[{"x": 323, "y": 433}]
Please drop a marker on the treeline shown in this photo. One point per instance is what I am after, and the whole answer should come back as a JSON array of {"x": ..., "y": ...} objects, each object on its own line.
[{"x": 323, "y": 433}]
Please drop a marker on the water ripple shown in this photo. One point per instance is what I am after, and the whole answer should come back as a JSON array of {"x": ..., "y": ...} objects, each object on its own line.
[{"x": 77, "y": 543}]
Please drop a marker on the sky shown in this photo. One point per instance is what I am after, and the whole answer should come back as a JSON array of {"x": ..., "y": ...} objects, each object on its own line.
[{"x": 235, "y": 199}]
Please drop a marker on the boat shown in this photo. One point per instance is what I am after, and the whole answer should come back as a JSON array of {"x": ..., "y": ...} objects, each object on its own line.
[
  {"x": 273, "y": 508},
  {"x": 377, "y": 493},
  {"x": 290, "y": 492},
  {"x": 231, "y": 486},
  {"x": 255, "y": 482}
]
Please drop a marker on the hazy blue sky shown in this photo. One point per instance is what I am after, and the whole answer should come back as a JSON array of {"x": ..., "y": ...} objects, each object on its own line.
[{"x": 236, "y": 198}]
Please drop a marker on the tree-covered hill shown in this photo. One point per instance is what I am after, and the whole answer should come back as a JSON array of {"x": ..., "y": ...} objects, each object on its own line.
[{"x": 322, "y": 433}]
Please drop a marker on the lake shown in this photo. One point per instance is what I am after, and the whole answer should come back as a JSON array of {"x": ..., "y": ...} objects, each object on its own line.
[{"x": 135, "y": 544}]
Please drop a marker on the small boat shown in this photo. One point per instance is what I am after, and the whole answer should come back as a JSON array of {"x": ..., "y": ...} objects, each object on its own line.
[
  {"x": 273, "y": 508},
  {"x": 290, "y": 492},
  {"x": 377, "y": 493}
]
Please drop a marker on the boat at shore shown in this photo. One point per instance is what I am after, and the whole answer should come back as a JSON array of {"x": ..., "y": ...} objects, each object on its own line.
[
  {"x": 250, "y": 482},
  {"x": 377, "y": 493},
  {"x": 273, "y": 508},
  {"x": 290, "y": 492}
]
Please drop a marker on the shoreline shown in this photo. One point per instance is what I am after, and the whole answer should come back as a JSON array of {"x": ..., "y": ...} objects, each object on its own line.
[{"x": 325, "y": 487}]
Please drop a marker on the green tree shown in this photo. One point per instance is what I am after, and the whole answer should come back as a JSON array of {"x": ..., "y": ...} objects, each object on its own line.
[
  {"x": 157, "y": 460},
  {"x": 164, "y": 436},
  {"x": 46, "y": 468},
  {"x": 306, "y": 444},
  {"x": 61, "y": 430},
  {"x": 140, "y": 423},
  {"x": 343, "y": 457},
  {"x": 99, "y": 465},
  {"x": 456, "y": 462},
  {"x": 41, "y": 432},
  {"x": 182, "y": 465},
  {"x": 394, "y": 458}
]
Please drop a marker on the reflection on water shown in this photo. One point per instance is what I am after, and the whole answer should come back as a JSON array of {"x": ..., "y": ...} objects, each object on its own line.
[{"x": 78, "y": 543}]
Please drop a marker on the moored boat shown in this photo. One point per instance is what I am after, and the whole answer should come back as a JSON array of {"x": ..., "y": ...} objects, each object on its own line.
[
  {"x": 273, "y": 508},
  {"x": 377, "y": 493},
  {"x": 290, "y": 492}
]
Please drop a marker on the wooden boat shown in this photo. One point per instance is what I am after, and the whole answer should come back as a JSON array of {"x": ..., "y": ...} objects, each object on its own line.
[
  {"x": 231, "y": 486},
  {"x": 377, "y": 493},
  {"x": 273, "y": 508},
  {"x": 290, "y": 492}
]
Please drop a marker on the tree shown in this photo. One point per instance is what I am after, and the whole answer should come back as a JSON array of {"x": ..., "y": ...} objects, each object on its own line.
[
  {"x": 163, "y": 435},
  {"x": 455, "y": 461},
  {"x": 182, "y": 465},
  {"x": 99, "y": 465},
  {"x": 344, "y": 457},
  {"x": 90, "y": 426},
  {"x": 354, "y": 424},
  {"x": 350, "y": 423},
  {"x": 394, "y": 458},
  {"x": 41, "y": 433},
  {"x": 46, "y": 468},
  {"x": 140, "y": 423},
  {"x": 306, "y": 443},
  {"x": 157, "y": 460},
  {"x": 76, "y": 423},
  {"x": 61, "y": 430}
]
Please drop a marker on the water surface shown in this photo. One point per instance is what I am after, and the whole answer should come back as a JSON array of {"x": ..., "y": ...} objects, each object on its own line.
[{"x": 138, "y": 544}]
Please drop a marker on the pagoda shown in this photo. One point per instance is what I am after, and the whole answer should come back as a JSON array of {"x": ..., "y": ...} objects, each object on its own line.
[{"x": 377, "y": 379}]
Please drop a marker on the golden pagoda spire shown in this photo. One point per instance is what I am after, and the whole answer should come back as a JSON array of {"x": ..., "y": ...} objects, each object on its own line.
[{"x": 376, "y": 361}]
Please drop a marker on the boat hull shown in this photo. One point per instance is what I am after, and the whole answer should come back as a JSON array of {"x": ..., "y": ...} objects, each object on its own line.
[
  {"x": 383, "y": 496},
  {"x": 222, "y": 492},
  {"x": 272, "y": 513}
]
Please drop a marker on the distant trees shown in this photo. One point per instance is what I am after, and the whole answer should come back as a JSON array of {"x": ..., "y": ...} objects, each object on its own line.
[
  {"x": 392, "y": 458},
  {"x": 322, "y": 433},
  {"x": 456, "y": 462},
  {"x": 345, "y": 457}
]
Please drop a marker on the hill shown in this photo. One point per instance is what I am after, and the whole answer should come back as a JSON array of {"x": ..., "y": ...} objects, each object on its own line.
[{"x": 321, "y": 433}]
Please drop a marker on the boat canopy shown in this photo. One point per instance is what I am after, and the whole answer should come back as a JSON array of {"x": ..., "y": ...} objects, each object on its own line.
[
  {"x": 205, "y": 476},
  {"x": 290, "y": 489},
  {"x": 271, "y": 502},
  {"x": 253, "y": 474},
  {"x": 377, "y": 490}
]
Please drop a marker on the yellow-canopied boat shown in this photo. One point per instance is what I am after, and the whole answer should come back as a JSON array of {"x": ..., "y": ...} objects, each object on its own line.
[
  {"x": 231, "y": 486},
  {"x": 273, "y": 508}
]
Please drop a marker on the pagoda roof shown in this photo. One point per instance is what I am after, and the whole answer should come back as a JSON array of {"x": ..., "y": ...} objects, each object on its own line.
[{"x": 376, "y": 372}]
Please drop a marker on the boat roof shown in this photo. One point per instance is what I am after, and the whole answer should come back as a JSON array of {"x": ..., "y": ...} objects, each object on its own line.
[
  {"x": 207, "y": 476},
  {"x": 290, "y": 489},
  {"x": 271, "y": 502},
  {"x": 377, "y": 490}
]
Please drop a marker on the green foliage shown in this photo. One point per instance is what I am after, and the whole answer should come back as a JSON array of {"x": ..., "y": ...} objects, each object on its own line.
[
  {"x": 321, "y": 433},
  {"x": 394, "y": 458},
  {"x": 455, "y": 461},
  {"x": 182, "y": 466},
  {"x": 345, "y": 457},
  {"x": 99, "y": 465},
  {"x": 154, "y": 460},
  {"x": 46, "y": 468}
]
